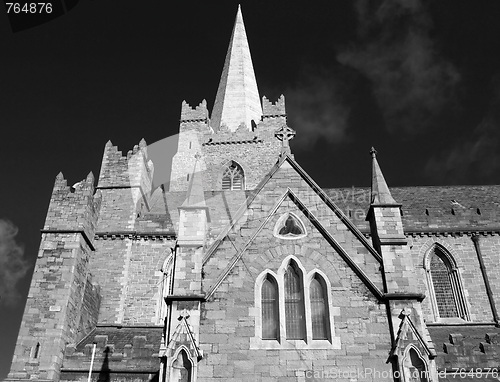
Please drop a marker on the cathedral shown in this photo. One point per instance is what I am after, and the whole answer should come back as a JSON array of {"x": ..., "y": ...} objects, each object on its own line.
[{"x": 242, "y": 268}]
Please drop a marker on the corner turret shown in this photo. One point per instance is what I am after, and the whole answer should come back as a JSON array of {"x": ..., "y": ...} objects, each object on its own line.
[{"x": 68, "y": 311}]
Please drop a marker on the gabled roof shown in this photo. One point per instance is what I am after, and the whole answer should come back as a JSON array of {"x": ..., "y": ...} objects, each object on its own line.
[
  {"x": 284, "y": 161},
  {"x": 409, "y": 334},
  {"x": 183, "y": 335},
  {"x": 429, "y": 208}
]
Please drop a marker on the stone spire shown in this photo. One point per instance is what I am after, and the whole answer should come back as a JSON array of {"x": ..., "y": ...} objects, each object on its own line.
[
  {"x": 380, "y": 190},
  {"x": 237, "y": 99}
]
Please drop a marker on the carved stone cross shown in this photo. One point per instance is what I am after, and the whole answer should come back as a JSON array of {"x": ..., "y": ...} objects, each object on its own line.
[{"x": 285, "y": 134}]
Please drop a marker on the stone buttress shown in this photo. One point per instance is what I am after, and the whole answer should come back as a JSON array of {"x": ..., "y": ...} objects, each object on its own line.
[
  {"x": 180, "y": 349},
  {"x": 409, "y": 332},
  {"x": 63, "y": 301}
]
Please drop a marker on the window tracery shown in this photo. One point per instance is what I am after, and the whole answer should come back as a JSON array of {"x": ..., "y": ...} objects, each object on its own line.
[
  {"x": 289, "y": 226},
  {"x": 233, "y": 177}
]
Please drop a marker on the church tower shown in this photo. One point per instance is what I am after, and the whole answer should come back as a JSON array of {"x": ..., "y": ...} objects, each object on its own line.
[{"x": 237, "y": 143}]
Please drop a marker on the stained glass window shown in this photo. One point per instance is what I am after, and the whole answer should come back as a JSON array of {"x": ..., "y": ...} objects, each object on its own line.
[
  {"x": 319, "y": 311},
  {"x": 294, "y": 304},
  {"x": 291, "y": 227},
  {"x": 270, "y": 309},
  {"x": 441, "y": 274}
]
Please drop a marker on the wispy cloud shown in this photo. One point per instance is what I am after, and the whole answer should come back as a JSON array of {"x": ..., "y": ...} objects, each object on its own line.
[
  {"x": 411, "y": 81},
  {"x": 317, "y": 109},
  {"x": 12, "y": 264},
  {"x": 476, "y": 158}
]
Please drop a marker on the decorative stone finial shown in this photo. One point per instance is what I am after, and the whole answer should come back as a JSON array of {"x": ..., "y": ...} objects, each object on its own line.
[{"x": 380, "y": 191}]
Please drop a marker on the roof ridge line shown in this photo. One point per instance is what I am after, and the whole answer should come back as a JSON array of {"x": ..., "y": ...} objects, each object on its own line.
[
  {"x": 317, "y": 224},
  {"x": 324, "y": 196}
]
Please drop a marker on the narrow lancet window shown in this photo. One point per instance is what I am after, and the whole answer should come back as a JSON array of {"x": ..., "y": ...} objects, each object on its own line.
[
  {"x": 417, "y": 371},
  {"x": 270, "y": 309},
  {"x": 441, "y": 272},
  {"x": 294, "y": 303},
  {"x": 35, "y": 351},
  {"x": 319, "y": 309},
  {"x": 181, "y": 368}
]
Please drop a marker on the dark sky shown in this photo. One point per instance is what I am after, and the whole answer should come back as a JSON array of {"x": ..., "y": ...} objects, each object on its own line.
[{"x": 419, "y": 80}]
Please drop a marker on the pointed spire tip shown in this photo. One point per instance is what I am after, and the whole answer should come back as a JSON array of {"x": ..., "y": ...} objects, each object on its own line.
[{"x": 237, "y": 99}]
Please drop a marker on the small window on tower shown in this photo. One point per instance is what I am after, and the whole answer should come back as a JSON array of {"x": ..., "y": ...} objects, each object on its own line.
[
  {"x": 289, "y": 226},
  {"x": 233, "y": 177},
  {"x": 35, "y": 351}
]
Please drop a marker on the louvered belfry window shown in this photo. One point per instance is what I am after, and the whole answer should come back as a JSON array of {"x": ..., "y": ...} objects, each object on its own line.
[
  {"x": 233, "y": 178},
  {"x": 294, "y": 304},
  {"x": 442, "y": 282},
  {"x": 270, "y": 309},
  {"x": 319, "y": 311}
]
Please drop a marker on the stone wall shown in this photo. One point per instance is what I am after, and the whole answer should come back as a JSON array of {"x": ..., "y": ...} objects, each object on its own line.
[{"x": 128, "y": 271}]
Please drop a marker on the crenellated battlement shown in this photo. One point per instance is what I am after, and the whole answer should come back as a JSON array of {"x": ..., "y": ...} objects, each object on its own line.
[
  {"x": 459, "y": 345},
  {"x": 273, "y": 109},
  {"x": 74, "y": 208},
  {"x": 131, "y": 170},
  {"x": 194, "y": 114}
]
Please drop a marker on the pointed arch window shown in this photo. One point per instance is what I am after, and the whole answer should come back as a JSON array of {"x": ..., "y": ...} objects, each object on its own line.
[
  {"x": 294, "y": 303},
  {"x": 293, "y": 309},
  {"x": 270, "y": 309},
  {"x": 233, "y": 177},
  {"x": 443, "y": 289},
  {"x": 181, "y": 368},
  {"x": 445, "y": 286},
  {"x": 319, "y": 308},
  {"x": 415, "y": 368},
  {"x": 35, "y": 351}
]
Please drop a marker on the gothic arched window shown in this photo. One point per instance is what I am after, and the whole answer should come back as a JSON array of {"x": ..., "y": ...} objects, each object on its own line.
[
  {"x": 181, "y": 368},
  {"x": 233, "y": 177},
  {"x": 294, "y": 303},
  {"x": 35, "y": 351},
  {"x": 445, "y": 287},
  {"x": 319, "y": 308},
  {"x": 270, "y": 309},
  {"x": 415, "y": 368}
]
